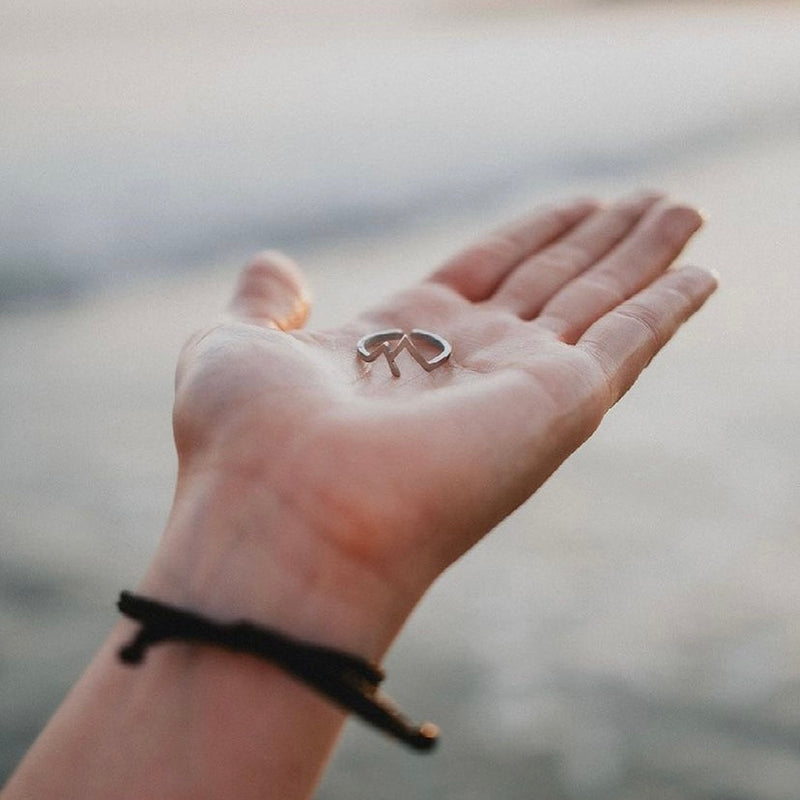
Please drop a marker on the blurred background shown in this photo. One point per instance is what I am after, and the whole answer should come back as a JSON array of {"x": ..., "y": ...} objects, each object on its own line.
[{"x": 631, "y": 632}]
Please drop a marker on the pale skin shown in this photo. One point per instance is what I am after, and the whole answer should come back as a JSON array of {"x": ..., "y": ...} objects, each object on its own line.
[{"x": 322, "y": 496}]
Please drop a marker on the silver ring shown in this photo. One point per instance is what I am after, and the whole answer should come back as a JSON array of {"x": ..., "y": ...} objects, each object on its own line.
[{"x": 392, "y": 342}]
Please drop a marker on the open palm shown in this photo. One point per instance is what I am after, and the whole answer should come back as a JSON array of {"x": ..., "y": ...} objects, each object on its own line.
[{"x": 551, "y": 319}]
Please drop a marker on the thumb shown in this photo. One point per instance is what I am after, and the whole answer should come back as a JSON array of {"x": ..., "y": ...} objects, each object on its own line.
[{"x": 271, "y": 291}]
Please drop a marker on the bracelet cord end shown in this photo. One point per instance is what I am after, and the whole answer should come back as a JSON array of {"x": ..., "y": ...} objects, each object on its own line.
[{"x": 349, "y": 681}]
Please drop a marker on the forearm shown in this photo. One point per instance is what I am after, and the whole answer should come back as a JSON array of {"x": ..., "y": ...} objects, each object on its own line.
[{"x": 193, "y": 721}]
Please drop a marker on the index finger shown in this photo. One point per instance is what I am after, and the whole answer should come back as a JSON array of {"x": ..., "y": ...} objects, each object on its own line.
[{"x": 624, "y": 341}]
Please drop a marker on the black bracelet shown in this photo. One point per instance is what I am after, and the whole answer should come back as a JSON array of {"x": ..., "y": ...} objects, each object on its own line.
[{"x": 348, "y": 680}]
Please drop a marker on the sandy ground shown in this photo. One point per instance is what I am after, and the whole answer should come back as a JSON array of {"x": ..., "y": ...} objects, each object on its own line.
[{"x": 632, "y": 632}]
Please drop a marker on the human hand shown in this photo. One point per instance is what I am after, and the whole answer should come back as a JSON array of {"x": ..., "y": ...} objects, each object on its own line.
[
  {"x": 325, "y": 495},
  {"x": 321, "y": 495}
]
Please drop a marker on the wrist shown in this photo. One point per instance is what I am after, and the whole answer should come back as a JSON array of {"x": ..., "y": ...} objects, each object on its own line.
[
  {"x": 221, "y": 724},
  {"x": 237, "y": 549}
]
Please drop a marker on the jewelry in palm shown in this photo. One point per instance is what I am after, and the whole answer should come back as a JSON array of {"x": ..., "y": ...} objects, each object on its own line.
[{"x": 391, "y": 343}]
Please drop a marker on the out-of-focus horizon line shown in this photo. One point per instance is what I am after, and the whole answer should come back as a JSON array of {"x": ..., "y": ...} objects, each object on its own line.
[{"x": 142, "y": 137}]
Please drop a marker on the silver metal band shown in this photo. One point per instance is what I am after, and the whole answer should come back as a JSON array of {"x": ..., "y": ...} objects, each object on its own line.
[{"x": 391, "y": 343}]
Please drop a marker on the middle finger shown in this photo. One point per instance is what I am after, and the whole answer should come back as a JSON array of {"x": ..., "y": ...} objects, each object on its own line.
[{"x": 527, "y": 289}]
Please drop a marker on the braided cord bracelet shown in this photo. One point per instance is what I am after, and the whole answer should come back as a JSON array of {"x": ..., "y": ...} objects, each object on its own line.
[{"x": 347, "y": 680}]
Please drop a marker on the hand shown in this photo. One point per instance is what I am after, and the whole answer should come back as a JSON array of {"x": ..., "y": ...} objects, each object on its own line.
[
  {"x": 322, "y": 495},
  {"x": 347, "y": 490}
]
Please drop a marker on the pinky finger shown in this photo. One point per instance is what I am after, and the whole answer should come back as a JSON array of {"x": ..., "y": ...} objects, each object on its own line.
[{"x": 624, "y": 340}]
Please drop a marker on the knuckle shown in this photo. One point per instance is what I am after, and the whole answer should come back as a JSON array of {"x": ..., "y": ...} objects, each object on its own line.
[
  {"x": 646, "y": 319},
  {"x": 564, "y": 258},
  {"x": 607, "y": 284}
]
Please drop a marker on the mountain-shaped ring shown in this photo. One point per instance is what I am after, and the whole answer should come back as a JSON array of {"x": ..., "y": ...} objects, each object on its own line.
[{"x": 392, "y": 342}]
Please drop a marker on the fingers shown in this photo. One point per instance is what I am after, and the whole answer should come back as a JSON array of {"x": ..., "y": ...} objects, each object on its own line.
[
  {"x": 528, "y": 287},
  {"x": 476, "y": 272},
  {"x": 623, "y": 341},
  {"x": 648, "y": 249},
  {"x": 272, "y": 292}
]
